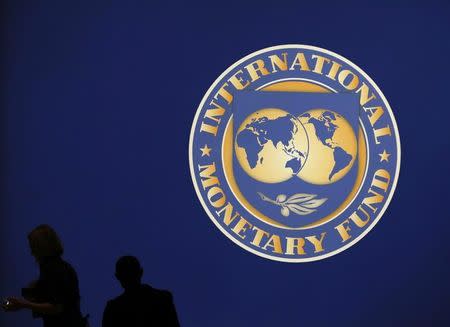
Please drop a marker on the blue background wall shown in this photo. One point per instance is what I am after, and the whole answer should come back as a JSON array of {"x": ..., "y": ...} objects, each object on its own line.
[{"x": 97, "y": 103}]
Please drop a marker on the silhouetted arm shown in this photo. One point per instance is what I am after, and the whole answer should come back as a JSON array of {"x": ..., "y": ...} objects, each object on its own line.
[
  {"x": 40, "y": 308},
  {"x": 45, "y": 308}
]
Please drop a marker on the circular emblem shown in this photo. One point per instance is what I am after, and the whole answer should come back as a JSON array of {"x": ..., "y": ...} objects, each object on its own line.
[{"x": 294, "y": 153}]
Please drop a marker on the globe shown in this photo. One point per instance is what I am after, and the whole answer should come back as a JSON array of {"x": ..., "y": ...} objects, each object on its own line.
[
  {"x": 332, "y": 147},
  {"x": 271, "y": 145}
]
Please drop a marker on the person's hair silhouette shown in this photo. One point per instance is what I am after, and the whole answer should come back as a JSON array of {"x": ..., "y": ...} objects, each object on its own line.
[
  {"x": 140, "y": 304},
  {"x": 55, "y": 296},
  {"x": 44, "y": 242}
]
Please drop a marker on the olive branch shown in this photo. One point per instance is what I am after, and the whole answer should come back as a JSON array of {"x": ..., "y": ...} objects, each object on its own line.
[{"x": 300, "y": 203}]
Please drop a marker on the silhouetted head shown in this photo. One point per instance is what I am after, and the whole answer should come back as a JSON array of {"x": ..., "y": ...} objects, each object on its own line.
[
  {"x": 44, "y": 242},
  {"x": 129, "y": 272}
]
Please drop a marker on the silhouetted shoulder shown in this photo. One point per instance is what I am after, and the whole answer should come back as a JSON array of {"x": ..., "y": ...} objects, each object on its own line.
[
  {"x": 143, "y": 305},
  {"x": 144, "y": 292},
  {"x": 163, "y": 294}
]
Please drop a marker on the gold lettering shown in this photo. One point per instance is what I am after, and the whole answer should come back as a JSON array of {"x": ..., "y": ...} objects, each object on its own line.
[
  {"x": 241, "y": 226},
  {"x": 343, "y": 230},
  {"x": 213, "y": 115},
  {"x": 256, "y": 69},
  {"x": 275, "y": 243},
  {"x": 374, "y": 113},
  {"x": 258, "y": 236},
  {"x": 300, "y": 60},
  {"x": 364, "y": 97},
  {"x": 319, "y": 63},
  {"x": 349, "y": 85},
  {"x": 376, "y": 198},
  {"x": 237, "y": 81},
  {"x": 276, "y": 61},
  {"x": 224, "y": 94},
  {"x": 228, "y": 216},
  {"x": 220, "y": 201},
  {"x": 357, "y": 220},
  {"x": 379, "y": 132},
  {"x": 206, "y": 173},
  {"x": 381, "y": 179},
  {"x": 334, "y": 70},
  {"x": 318, "y": 247},
  {"x": 208, "y": 128},
  {"x": 295, "y": 243}
]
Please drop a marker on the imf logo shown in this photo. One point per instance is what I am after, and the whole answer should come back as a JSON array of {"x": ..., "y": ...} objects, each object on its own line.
[{"x": 294, "y": 153}]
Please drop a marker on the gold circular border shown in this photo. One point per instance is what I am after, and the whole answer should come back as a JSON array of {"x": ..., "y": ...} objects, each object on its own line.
[{"x": 397, "y": 167}]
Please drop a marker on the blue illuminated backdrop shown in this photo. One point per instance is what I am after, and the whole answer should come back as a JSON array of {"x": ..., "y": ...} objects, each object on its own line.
[{"x": 98, "y": 101}]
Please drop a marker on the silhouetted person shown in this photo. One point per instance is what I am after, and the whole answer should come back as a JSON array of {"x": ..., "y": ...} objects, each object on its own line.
[
  {"x": 140, "y": 305},
  {"x": 55, "y": 296}
]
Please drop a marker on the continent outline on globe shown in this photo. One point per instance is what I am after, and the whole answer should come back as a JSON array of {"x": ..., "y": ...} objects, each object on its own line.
[
  {"x": 325, "y": 127},
  {"x": 271, "y": 145},
  {"x": 254, "y": 135},
  {"x": 262, "y": 138}
]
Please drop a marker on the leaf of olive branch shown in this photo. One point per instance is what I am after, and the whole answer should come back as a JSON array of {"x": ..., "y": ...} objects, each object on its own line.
[{"x": 301, "y": 203}]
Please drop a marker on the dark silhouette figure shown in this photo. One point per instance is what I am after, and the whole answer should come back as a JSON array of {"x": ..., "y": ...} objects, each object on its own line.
[
  {"x": 139, "y": 305},
  {"x": 55, "y": 296}
]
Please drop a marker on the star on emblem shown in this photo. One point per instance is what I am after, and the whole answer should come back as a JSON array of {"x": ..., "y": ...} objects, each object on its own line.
[
  {"x": 384, "y": 156},
  {"x": 205, "y": 150}
]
